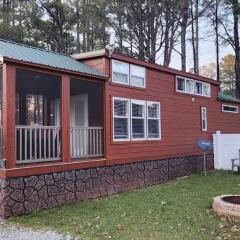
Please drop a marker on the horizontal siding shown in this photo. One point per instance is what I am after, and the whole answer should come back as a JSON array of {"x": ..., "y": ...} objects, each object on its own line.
[{"x": 180, "y": 118}]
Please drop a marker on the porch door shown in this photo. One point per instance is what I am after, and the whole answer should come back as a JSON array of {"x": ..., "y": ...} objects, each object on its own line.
[{"x": 79, "y": 123}]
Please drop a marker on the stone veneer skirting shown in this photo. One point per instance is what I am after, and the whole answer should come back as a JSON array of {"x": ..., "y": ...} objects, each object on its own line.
[{"x": 22, "y": 195}]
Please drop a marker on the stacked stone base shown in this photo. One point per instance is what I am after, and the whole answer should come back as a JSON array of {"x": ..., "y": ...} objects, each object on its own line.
[{"x": 22, "y": 195}]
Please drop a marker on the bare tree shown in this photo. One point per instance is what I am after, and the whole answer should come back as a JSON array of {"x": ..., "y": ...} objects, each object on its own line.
[
  {"x": 195, "y": 33},
  {"x": 229, "y": 23},
  {"x": 213, "y": 13},
  {"x": 183, "y": 19},
  {"x": 171, "y": 32}
]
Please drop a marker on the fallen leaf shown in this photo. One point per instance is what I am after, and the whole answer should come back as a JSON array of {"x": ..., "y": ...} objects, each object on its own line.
[{"x": 119, "y": 227}]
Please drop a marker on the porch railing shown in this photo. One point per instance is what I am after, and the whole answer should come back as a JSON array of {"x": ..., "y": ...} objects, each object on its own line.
[
  {"x": 86, "y": 142},
  {"x": 37, "y": 144}
]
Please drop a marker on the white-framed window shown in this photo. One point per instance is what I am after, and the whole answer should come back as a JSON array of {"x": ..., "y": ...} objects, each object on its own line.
[
  {"x": 138, "y": 119},
  {"x": 204, "y": 118},
  {"x": 121, "y": 116},
  {"x": 198, "y": 88},
  {"x": 120, "y": 72},
  {"x": 137, "y": 76},
  {"x": 189, "y": 86},
  {"x": 206, "y": 89},
  {"x": 180, "y": 84},
  {"x": 229, "y": 108},
  {"x": 153, "y": 120},
  {"x": 128, "y": 74}
]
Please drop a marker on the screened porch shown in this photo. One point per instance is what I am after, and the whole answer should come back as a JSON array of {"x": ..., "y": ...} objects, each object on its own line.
[{"x": 39, "y": 121}]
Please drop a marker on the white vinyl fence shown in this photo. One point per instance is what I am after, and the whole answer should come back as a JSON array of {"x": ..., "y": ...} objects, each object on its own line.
[{"x": 226, "y": 147}]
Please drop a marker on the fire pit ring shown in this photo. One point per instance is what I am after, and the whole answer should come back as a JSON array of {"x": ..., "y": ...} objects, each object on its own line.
[{"x": 227, "y": 205}]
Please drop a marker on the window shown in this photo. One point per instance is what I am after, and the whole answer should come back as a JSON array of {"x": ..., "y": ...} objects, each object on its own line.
[
  {"x": 204, "y": 118},
  {"x": 145, "y": 120},
  {"x": 137, "y": 76},
  {"x": 120, "y": 119},
  {"x": 206, "y": 89},
  {"x": 120, "y": 72},
  {"x": 138, "y": 119},
  {"x": 198, "y": 88},
  {"x": 229, "y": 109},
  {"x": 189, "y": 86},
  {"x": 128, "y": 74},
  {"x": 153, "y": 117},
  {"x": 181, "y": 84}
]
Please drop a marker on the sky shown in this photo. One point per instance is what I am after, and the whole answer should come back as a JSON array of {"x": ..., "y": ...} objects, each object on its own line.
[{"x": 206, "y": 48}]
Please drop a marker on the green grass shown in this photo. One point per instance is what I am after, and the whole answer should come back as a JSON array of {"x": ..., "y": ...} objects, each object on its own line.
[{"x": 179, "y": 209}]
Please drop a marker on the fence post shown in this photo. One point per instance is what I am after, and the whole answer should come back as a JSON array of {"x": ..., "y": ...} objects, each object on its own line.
[{"x": 217, "y": 155}]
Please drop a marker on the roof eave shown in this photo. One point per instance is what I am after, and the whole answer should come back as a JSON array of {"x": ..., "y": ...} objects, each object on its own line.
[
  {"x": 228, "y": 100},
  {"x": 159, "y": 67},
  {"x": 92, "y": 54},
  {"x": 6, "y": 59},
  {"x": 155, "y": 66}
]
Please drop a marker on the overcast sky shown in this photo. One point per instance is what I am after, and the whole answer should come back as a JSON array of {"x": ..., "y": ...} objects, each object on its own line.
[{"x": 206, "y": 49}]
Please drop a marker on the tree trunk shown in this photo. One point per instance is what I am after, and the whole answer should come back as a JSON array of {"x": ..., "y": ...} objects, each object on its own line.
[
  {"x": 193, "y": 39},
  {"x": 197, "y": 37},
  {"x": 166, "y": 37},
  {"x": 236, "y": 44},
  {"x": 183, "y": 25},
  {"x": 217, "y": 41},
  {"x": 183, "y": 47}
]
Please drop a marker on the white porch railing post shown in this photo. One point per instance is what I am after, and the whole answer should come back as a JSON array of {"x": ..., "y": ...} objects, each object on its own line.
[{"x": 217, "y": 149}]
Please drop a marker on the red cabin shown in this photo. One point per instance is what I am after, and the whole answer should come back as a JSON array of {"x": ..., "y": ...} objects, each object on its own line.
[{"x": 95, "y": 124}]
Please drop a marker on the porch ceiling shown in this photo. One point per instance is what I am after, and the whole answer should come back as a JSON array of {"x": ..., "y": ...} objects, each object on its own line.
[{"x": 24, "y": 53}]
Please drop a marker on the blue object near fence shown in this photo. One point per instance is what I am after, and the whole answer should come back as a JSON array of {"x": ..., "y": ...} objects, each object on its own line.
[{"x": 205, "y": 145}]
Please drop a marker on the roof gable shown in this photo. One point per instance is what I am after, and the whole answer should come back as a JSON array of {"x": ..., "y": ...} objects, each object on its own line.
[{"x": 25, "y": 53}]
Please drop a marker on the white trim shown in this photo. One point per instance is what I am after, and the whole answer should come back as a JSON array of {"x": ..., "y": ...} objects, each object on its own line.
[
  {"x": 158, "y": 118},
  {"x": 143, "y": 103},
  {"x": 204, "y": 119},
  {"x": 226, "y": 111},
  {"x": 127, "y": 117}
]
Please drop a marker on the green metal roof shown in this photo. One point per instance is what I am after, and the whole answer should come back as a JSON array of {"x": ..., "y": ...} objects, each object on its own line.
[
  {"x": 34, "y": 55},
  {"x": 228, "y": 98}
]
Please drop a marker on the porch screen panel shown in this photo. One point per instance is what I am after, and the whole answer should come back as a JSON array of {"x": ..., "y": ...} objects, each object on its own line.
[{"x": 34, "y": 109}]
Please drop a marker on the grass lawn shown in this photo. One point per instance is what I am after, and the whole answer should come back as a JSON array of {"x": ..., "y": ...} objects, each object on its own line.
[{"x": 180, "y": 209}]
